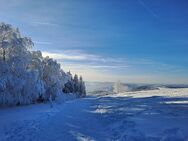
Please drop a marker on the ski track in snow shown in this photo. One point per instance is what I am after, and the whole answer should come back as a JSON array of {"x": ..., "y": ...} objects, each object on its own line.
[{"x": 157, "y": 115}]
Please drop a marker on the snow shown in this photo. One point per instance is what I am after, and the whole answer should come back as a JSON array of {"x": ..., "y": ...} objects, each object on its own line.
[
  {"x": 153, "y": 115},
  {"x": 26, "y": 76}
]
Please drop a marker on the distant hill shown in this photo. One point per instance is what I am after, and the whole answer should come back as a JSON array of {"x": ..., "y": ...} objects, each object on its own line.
[{"x": 103, "y": 88}]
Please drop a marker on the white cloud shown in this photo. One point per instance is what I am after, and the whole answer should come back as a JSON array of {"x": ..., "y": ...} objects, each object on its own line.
[
  {"x": 71, "y": 56},
  {"x": 110, "y": 66},
  {"x": 99, "y": 68},
  {"x": 43, "y": 42},
  {"x": 41, "y": 23},
  {"x": 78, "y": 55},
  {"x": 94, "y": 74}
]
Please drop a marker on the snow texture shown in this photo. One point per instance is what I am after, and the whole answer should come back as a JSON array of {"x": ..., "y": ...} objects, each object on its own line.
[{"x": 153, "y": 115}]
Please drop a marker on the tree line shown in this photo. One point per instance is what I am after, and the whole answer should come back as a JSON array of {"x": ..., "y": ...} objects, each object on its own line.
[{"x": 28, "y": 77}]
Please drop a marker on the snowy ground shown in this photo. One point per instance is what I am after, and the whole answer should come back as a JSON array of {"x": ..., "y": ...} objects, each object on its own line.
[{"x": 132, "y": 116}]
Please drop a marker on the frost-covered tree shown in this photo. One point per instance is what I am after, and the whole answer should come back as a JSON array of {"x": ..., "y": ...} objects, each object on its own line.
[
  {"x": 12, "y": 42},
  {"x": 14, "y": 71},
  {"x": 75, "y": 86},
  {"x": 25, "y": 76},
  {"x": 76, "y": 83},
  {"x": 7, "y": 35},
  {"x": 69, "y": 86},
  {"x": 52, "y": 78},
  {"x": 82, "y": 89}
]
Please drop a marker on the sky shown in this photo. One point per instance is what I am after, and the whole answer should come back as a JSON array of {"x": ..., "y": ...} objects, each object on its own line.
[{"x": 134, "y": 41}]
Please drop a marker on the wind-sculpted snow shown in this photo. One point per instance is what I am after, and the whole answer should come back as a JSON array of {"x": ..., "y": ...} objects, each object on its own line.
[
  {"x": 155, "y": 115},
  {"x": 144, "y": 118}
]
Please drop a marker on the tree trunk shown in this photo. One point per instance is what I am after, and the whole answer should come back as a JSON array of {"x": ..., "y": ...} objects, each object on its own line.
[{"x": 4, "y": 55}]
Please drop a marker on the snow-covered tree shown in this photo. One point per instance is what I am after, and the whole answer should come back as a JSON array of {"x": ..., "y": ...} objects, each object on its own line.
[
  {"x": 82, "y": 89},
  {"x": 52, "y": 78},
  {"x": 16, "y": 59},
  {"x": 75, "y": 86},
  {"x": 76, "y": 83},
  {"x": 25, "y": 76}
]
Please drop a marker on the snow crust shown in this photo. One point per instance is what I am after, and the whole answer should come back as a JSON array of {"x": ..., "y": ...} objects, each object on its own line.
[{"x": 154, "y": 115}]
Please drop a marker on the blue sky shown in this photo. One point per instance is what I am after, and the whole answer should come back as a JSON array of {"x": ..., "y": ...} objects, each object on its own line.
[{"x": 140, "y": 41}]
